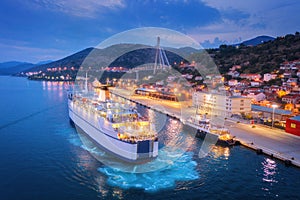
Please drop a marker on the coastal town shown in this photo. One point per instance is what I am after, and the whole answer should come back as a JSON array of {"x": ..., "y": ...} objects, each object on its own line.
[
  {"x": 271, "y": 99},
  {"x": 151, "y": 100},
  {"x": 251, "y": 105},
  {"x": 261, "y": 116}
]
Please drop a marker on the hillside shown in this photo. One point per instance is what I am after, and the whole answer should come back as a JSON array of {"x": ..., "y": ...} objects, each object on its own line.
[
  {"x": 262, "y": 58},
  {"x": 10, "y": 64},
  {"x": 13, "y": 67},
  {"x": 122, "y": 55},
  {"x": 74, "y": 60}
]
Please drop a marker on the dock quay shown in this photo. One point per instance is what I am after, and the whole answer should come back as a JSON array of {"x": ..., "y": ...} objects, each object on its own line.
[{"x": 274, "y": 143}]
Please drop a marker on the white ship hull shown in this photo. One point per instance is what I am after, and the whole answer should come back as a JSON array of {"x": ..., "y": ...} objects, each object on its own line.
[{"x": 94, "y": 126}]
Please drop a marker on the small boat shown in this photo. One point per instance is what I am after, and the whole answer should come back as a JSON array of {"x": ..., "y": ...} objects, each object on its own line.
[{"x": 224, "y": 136}]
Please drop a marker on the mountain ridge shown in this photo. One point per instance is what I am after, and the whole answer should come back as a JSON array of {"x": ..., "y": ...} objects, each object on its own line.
[
  {"x": 257, "y": 40},
  {"x": 76, "y": 60}
]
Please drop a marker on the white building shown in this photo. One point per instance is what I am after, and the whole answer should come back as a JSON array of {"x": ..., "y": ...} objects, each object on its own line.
[
  {"x": 251, "y": 76},
  {"x": 233, "y": 82},
  {"x": 268, "y": 76},
  {"x": 234, "y": 74},
  {"x": 255, "y": 83},
  {"x": 221, "y": 105},
  {"x": 257, "y": 96}
]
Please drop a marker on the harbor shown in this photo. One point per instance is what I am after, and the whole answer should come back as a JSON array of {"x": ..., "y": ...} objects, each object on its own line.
[
  {"x": 274, "y": 143},
  {"x": 48, "y": 158}
]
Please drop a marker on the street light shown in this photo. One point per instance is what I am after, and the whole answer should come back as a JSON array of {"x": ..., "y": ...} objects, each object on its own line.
[{"x": 273, "y": 106}]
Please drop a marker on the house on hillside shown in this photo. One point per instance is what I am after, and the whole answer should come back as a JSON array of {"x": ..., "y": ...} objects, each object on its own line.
[
  {"x": 291, "y": 98},
  {"x": 233, "y": 82},
  {"x": 255, "y": 83},
  {"x": 268, "y": 76},
  {"x": 244, "y": 83},
  {"x": 251, "y": 76},
  {"x": 257, "y": 96},
  {"x": 287, "y": 75},
  {"x": 234, "y": 74},
  {"x": 292, "y": 81}
]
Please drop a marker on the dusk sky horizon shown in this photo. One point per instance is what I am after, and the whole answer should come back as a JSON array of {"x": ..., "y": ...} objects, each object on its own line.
[{"x": 38, "y": 30}]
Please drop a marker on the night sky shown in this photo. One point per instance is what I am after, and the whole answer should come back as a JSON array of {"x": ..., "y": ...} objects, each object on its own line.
[{"x": 40, "y": 30}]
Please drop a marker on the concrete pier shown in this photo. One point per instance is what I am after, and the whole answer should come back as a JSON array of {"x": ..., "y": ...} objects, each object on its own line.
[{"x": 272, "y": 142}]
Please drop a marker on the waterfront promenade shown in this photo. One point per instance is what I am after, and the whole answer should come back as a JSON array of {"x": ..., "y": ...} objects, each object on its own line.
[{"x": 273, "y": 142}]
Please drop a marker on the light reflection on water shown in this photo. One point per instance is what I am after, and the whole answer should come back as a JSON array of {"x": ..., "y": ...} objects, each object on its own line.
[
  {"x": 270, "y": 169},
  {"x": 219, "y": 151}
]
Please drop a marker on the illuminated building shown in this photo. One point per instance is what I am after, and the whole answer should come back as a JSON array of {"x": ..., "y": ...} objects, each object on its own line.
[{"x": 221, "y": 105}]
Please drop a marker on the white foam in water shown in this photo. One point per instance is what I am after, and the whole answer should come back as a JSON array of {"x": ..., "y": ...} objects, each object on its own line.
[
  {"x": 170, "y": 166},
  {"x": 75, "y": 141},
  {"x": 182, "y": 169}
]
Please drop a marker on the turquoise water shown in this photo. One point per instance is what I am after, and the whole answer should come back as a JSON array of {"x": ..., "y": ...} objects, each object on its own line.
[{"x": 42, "y": 157}]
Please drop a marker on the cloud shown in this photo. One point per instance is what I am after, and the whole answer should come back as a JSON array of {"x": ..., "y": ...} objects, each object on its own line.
[
  {"x": 148, "y": 36},
  {"x": 79, "y": 8},
  {"x": 224, "y": 32},
  {"x": 214, "y": 44},
  {"x": 247, "y": 19},
  {"x": 264, "y": 15}
]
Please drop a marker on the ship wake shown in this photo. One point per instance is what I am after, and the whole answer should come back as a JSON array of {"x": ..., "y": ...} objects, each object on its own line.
[{"x": 171, "y": 165}]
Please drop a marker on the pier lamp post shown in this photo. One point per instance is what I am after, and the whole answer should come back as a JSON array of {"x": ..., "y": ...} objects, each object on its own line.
[{"x": 273, "y": 106}]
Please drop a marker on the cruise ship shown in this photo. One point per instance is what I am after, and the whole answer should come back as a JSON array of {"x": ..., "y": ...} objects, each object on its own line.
[{"x": 113, "y": 126}]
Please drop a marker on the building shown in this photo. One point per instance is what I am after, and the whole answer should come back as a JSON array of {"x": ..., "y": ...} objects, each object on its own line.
[
  {"x": 251, "y": 76},
  {"x": 232, "y": 82},
  {"x": 255, "y": 83},
  {"x": 220, "y": 104},
  {"x": 292, "y": 81},
  {"x": 287, "y": 75},
  {"x": 268, "y": 112},
  {"x": 291, "y": 98},
  {"x": 293, "y": 125},
  {"x": 257, "y": 96},
  {"x": 268, "y": 76},
  {"x": 234, "y": 74}
]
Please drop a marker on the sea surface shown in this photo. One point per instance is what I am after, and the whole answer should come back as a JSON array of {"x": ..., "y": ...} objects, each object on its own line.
[{"x": 43, "y": 157}]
